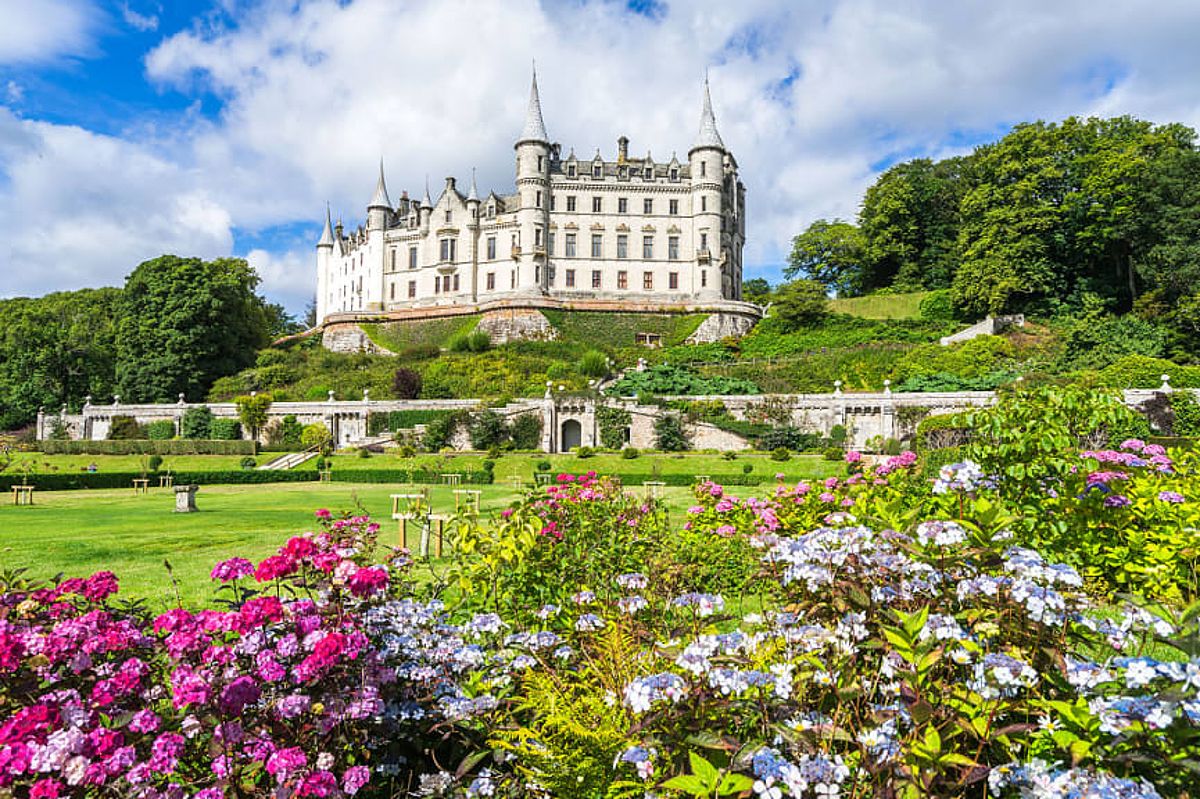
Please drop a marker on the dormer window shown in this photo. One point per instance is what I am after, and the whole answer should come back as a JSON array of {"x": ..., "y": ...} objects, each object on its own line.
[
  {"x": 649, "y": 173},
  {"x": 623, "y": 173},
  {"x": 491, "y": 211},
  {"x": 674, "y": 174},
  {"x": 570, "y": 170},
  {"x": 597, "y": 170}
]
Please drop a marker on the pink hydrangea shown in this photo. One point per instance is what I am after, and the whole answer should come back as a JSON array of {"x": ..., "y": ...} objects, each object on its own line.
[
  {"x": 854, "y": 456},
  {"x": 232, "y": 569},
  {"x": 354, "y": 779},
  {"x": 368, "y": 581},
  {"x": 286, "y": 762}
]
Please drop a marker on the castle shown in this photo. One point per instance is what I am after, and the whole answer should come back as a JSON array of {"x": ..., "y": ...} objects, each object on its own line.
[{"x": 626, "y": 233}]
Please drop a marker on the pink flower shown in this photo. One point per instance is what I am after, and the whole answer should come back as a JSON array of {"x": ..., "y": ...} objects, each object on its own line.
[
  {"x": 100, "y": 586},
  {"x": 319, "y": 783},
  {"x": 286, "y": 762},
  {"x": 189, "y": 687},
  {"x": 323, "y": 513},
  {"x": 239, "y": 693},
  {"x": 780, "y": 476},
  {"x": 274, "y": 567},
  {"x": 355, "y": 778},
  {"x": 368, "y": 581},
  {"x": 232, "y": 569},
  {"x": 45, "y": 789},
  {"x": 144, "y": 721},
  {"x": 853, "y": 456}
]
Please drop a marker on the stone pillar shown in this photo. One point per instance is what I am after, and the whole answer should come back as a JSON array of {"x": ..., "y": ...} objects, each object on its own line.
[{"x": 185, "y": 498}]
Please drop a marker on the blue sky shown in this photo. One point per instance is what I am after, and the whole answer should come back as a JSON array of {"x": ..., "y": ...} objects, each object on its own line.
[{"x": 129, "y": 128}]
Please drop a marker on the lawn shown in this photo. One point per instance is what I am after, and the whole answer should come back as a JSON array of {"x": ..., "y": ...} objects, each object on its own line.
[
  {"x": 881, "y": 306},
  {"x": 79, "y": 532},
  {"x": 132, "y": 463}
]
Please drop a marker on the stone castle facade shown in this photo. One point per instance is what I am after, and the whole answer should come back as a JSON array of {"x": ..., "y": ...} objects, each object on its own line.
[{"x": 626, "y": 232}]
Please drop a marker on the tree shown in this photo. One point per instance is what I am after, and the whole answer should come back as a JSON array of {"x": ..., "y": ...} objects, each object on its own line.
[
  {"x": 406, "y": 384},
  {"x": 831, "y": 253},
  {"x": 252, "y": 411},
  {"x": 310, "y": 314},
  {"x": 196, "y": 423},
  {"x": 280, "y": 323},
  {"x": 316, "y": 435},
  {"x": 756, "y": 289},
  {"x": 800, "y": 303},
  {"x": 184, "y": 323},
  {"x": 670, "y": 434},
  {"x": 909, "y": 222}
]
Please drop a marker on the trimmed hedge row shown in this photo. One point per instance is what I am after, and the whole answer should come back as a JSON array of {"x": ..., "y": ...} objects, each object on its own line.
[
  {"x": 148, "y": 447},
  {"x": 91, "y": 480},
  {"x": 633, "y": 480}
]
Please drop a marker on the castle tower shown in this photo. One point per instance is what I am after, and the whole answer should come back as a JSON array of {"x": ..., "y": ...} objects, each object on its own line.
[
  {"x": 533, "y": 187},
  {"x": 324, "y": 264},
  {"x": 380, "y": 206},
  {"x": 707, "y": 160},
  {"x": 379, "y": 211},
  {"x": 473, "y": 235}
]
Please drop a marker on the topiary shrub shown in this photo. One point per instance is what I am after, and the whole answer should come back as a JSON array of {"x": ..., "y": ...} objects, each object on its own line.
[
  {"x": 544, "y": 466},
  {"x": 248, "y": 462},
  {"x": 781, "y": 454},
  {"x": 316, "y": 435},
  {"x": 226, "y": 430},
  {"x": 729, "y": 456},
  {"x": 487, "y": 429},
  {"x": 362, "y": 453},
  {"x": 838, "y": 434},
  {"x": 747, "y": 468},
  {"x": 125, "y": 428},
  {"x": 479, "y": 341},
  {"x": 584, "y": 452},
  {"x": 630, "y": 453},
  {"x": 160, "y": 430},
  {"x": 154, "y": 462},
  {"x": 834, "y": 453}
]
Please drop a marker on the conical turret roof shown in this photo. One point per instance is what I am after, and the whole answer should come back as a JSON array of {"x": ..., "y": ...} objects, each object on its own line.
[
  {"x": 535, "y": 127},
  {"x": 327, "y": 233},
  {"x": 380, "y": 200},
  {"x": 474, "y": 195},
  {"x": 708, "y": 136}
]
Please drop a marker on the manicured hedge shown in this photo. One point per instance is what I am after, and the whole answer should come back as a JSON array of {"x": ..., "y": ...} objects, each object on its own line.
[
  {"x": 405, "y": 476},
  {"x": 72, "y": 481},
  {"x": 148, "y": 447},
  {"x": 687, "y": 480},
  {"x": 394, "y": 421},
  {"x": 942, "y": 431}
]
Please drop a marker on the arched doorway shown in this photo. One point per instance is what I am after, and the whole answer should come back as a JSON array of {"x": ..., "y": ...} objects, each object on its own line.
[{"x": 572, "y": 435}]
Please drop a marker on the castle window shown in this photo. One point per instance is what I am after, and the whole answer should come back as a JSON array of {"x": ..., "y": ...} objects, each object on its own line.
[
  {"x": 491, "y": 211},
  {"x": 648, "y": 281},
  {"x": 703, "y": 277},
  {"x": 647, "y": 206},
  {"x": 570, "y": 253},
  {"x": 512, "y": 279},
  {"x": 622, "y": 280},
  {"x": 541, "y": 163},
  {"x": 597, "y": 170},
  {"x": 391, "y": 291},
  {"x": 456, "y": 282},
  {"x": 412, "y": 257},
  {"x": 622, "y": 205},
  {"x": 570, "y": 278},
  {"x": 537, "y": 273},
  {"x": 412, "y": 289},
  {"x": 570, "y": 170},
  {"x": 673, "y": 208},
  {"x": 647, "y": 247},
  {"x": 595, "y": 278},
  {"x": 622, "y": 246},
  {"x": 392, "y": 257},
  {"x": 673, "y": 248},
  {"x": 550, "y": 243},
  {"x": 491, "y": 281},
  {"x": 571, "y": 203},
  {"x": 550, "y": 275},
  {"x": 491, "y": 248},
  {"x": 673, "y": 280},
  {"x": 537, "y": 202},
  {"x": 649, "y": 173},
  {"x": 537, "y": 237},
  {"x": 595, "y": 205},
  {"x": 597, "y": 245},
  {"x": 448, "y": 251},
  {"x": 674, "y": 174},
  {"x": 552, "y": 203},
  {"x": 702, "y": 165},
  {"x": 703, "y": 203},
  {"x": 623, "y": 173}
]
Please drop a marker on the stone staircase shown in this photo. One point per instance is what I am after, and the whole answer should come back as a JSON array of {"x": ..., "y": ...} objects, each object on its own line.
[{"x": 288, "y": 461}]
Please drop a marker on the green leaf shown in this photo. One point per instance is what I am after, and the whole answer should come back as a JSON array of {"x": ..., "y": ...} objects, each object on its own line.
[
  {"x": 703, "y": 769},
  {"x": 688, "y": 783}
]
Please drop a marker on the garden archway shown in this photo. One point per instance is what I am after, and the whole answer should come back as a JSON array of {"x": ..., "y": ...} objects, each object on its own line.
[{"x": 572, "y": 435}]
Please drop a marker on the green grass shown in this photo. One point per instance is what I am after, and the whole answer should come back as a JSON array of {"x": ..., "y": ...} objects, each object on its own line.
[
  {"x": 613, "y": 331},
  {"x": 399, "y": 336},
  {"x": 881, "y": 306},
  {"x": 132, "y": 463}
]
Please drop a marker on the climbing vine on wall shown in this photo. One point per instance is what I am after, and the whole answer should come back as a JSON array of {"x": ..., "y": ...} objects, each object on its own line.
[{"x": 612, "y": 421}]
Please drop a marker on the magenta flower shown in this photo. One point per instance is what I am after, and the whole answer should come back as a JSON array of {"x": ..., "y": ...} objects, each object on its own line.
[
  {"x": 286, "y": 762},
  {"x": 239, "y": 693},
  {"x": 323, "y": 513},
  {"x": 232, "y": 569},
  {"x": 354, "y": 779},
  {"x": 853, "y": 456}
]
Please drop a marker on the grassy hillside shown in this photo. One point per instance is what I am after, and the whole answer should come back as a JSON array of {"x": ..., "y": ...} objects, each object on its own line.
[
  {"x": 881, "y": 306},
  {"x": 401, "y": 336}
]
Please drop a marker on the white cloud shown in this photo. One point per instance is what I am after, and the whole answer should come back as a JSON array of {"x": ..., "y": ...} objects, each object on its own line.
[
  {"x": 13, "y": 93},
  {"x": 45, "y": 30},
  {"x": 810, "y": 97},
  {"x": 140, "y": 22}
]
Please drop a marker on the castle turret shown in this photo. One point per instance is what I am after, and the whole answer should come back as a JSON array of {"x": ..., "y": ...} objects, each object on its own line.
[
  {"x": 426, "y": 208},
  {"x": 533, "y": 188},
  {"x": 324, "y": 264},
  {"x": 706, "y": 159},
  {"x": 380, "y": 206}
]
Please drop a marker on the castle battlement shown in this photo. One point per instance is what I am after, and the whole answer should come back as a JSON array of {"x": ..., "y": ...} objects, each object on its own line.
[{"x": 633, "y": 229}]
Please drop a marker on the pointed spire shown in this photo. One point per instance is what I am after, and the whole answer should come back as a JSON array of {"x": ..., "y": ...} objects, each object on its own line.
[
  {"x": 474, "y": 195},
  {"x": 327, "y": 233},
  {"x": 708, "y": 136},
  {"x": 535, "y": 128},
  {"x": 380, "y": 200},
  {"x": 428, "y": 203}
]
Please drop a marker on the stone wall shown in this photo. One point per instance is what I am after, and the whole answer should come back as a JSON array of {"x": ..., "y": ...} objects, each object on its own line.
[
  {"x": 517, "y": 324},
  {"x": 349, "y": 337},
  {"x": 722, "y": 325}
]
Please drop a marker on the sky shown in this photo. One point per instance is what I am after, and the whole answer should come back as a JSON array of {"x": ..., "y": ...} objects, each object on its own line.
[{"x": 133, "y": 128}]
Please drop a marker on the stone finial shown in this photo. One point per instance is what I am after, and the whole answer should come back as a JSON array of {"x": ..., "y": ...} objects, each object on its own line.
[
  {"x": 182, "y": 401},
  {"x": 887, "y": 387},
  {"x": 1166, "y": 383},
  {"x": 837, "y": 388},
  {"x": 366, "y": 395},
  {"x": 87, "y": 401},
  {"x": 116, "y": 399},
  {"x": 330, "y": 395},
  {"x": 561, "y": 387},
  {"x": 549, "y": 388},
  {"x": 63, "y": 410}
]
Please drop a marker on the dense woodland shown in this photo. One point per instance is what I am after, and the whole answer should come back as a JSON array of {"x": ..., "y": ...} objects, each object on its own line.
[
  {"x": 1052, "y": 219},
  {"x": 1089, "y": 227}
]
